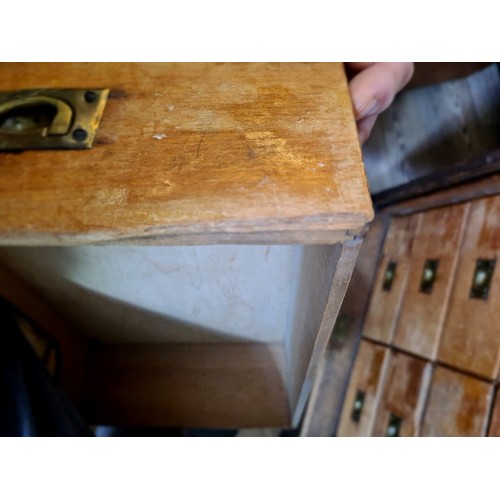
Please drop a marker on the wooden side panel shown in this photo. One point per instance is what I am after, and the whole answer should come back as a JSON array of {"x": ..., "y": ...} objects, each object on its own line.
[
  {"x": 471, "y": 339},
  {"x": 363, "y": 389},
  {"x": 72, "y": 345},
  {"x": 435, "y": 252},
  {"x": 384, "y": 305},
  {"x": 186, "y": 150},
  {"x": 494, "y": 425},
  {"x": 457, "y": 406},
  {"x": 202, "y": 385},
  {"x": 325, "y": 404},
  {"x": 403, "y": 396},
  {"x": 323, "y": 281}
]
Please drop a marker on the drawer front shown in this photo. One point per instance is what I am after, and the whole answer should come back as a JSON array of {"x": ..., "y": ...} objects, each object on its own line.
[
  {"x": 361, "y": 398},
  {"x": 391, "y": 279},
  {"x": 402, "y": 397},
  {"x": 471, "y": 340},
  {"x": 432, "y": 267},
  {"x": 457, "y": 405}
]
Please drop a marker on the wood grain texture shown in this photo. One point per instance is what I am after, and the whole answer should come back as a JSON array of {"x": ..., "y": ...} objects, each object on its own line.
[
  {"x": 175, "y": 385},
  {"x": 327, "y": 396},
  {"x": 384, "y": 305},
  {"x": 470, "y": 338},
  {"x": 422, "y": 315},
  {"x": 403, "y": 395},
  {"x": 247, "y": 148},
  {"x": 367, "y": 376},
  {"x": 457, "y": 406}
]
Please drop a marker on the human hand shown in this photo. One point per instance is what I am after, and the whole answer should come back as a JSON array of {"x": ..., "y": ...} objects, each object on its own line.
[{"x": 373, "y": 87}]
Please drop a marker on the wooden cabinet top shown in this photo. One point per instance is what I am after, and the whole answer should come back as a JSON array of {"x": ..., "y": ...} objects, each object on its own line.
[{"x": 192, "y": 153}]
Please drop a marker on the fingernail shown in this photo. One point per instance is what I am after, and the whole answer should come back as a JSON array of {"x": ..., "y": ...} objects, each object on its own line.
[{"x": 366, "y": 110}]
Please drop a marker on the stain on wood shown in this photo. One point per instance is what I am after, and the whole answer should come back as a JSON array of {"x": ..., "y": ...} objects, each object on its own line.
[
  {"x": 366, "y": 378},
  {"x": 457, "y": 405}
]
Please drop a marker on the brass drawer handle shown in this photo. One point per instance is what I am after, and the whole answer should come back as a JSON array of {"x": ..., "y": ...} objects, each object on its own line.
[
  {"x": 50, "y": 118},
  {"x": 429, "y": 275},
  {"x": 481, "y": 280}
]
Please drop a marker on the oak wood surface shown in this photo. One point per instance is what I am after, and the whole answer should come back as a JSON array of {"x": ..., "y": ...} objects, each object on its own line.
[
  {"x": 470, "y": 338},
  {"x": 422, "y": 314},
  {"x": 457, "y": 405},
  {"x": 186, "y": 150}
]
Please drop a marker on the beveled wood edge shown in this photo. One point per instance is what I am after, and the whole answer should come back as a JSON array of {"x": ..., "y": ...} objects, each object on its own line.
[{"x": 291, "y": 237}]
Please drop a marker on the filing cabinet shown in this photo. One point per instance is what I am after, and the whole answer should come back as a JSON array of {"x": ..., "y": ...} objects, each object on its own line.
[{"x": 440, "y": 331}]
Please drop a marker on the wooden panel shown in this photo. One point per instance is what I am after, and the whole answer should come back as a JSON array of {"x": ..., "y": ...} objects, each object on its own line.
[
  {"x": 423, "y": 311},
  {"x": 457, "y": 405},
  {"x": 325, "y": 404},
  {"x": 189, "y": 150},
  {"x": 403, "y": 396},
  {"x": 202, "y": 385},
  {"x": 384, "y": 304},
  {"x": 365, "y": 380},
  {"x": 324, "y": 278},
  {"x": 73, "y": 347},
  {"x": 470, "y": 339},
  {"x": 494, "y": 425}
]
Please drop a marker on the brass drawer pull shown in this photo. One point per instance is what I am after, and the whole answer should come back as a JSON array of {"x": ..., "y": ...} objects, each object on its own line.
[
  {"x": 357, "y": 407},
  {"x": 389, "y": 275},
  {"x": 50, "y": 118},
  {"x": 481, "y": 280},
  {"x": 429, "y": 275},
  {"x": 393, "y": 426}
]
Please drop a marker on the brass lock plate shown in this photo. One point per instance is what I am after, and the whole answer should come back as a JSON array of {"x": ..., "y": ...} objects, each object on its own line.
[{"x": 50, "y": 118}]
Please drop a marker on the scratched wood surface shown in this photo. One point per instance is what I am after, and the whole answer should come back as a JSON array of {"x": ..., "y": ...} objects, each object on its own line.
[
  {"x": 191, "y": 152},
  {"x": 457, "y": 406},
  {"x": 470, "y": 338},
  {"x": 422, "y": 313}
]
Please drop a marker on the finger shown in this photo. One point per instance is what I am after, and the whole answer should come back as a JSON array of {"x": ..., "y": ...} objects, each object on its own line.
[
  {"x": 365, "y": 127},
  {"x": 374, "y": 88}
]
